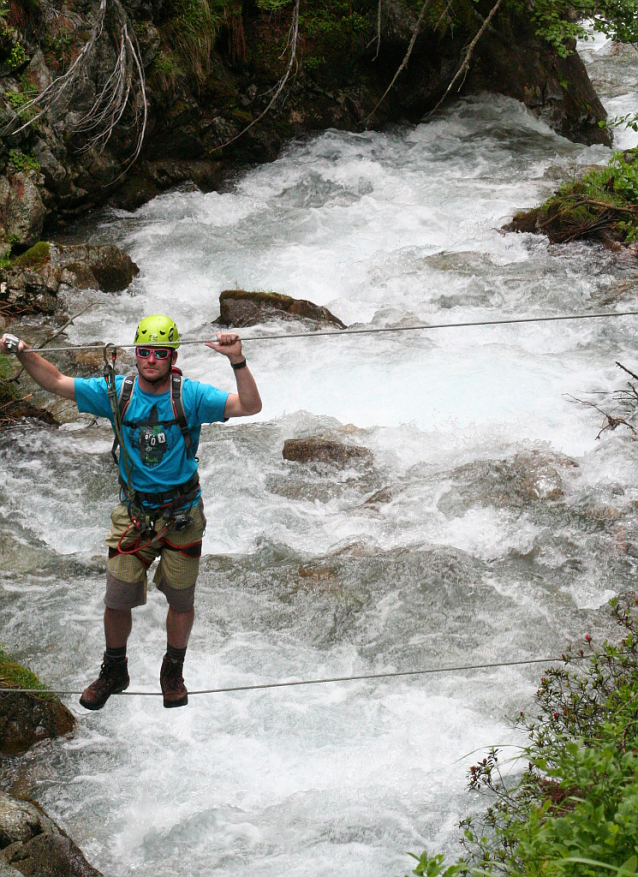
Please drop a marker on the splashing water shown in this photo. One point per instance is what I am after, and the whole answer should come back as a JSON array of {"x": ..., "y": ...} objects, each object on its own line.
[{"x": 491, "y": 525}]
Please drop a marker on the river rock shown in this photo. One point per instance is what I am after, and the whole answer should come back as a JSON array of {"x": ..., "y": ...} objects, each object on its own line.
[
  {"x": 240, "y": 308},
  {"x": 49, "y": 855},
  {"x": 22, "y": 210},
  {"x": 31, "y": 282},
  {"x": 310, "y": 450},
  {"x": 34, "y": 846},
  {"x": 22, "y": 820},
  {"x": 27, "y": 719}
]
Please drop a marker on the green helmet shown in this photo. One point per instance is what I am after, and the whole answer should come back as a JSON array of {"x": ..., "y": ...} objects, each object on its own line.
[{"x": 158, "y": 330}]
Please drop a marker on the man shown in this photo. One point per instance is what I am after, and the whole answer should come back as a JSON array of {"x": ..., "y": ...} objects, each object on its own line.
[{"x": 161, "y": 514}]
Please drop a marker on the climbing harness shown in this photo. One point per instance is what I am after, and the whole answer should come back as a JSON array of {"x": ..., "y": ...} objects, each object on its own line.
[
  {"x": 177, "y": 404},
  {"x": 170, "y": 508}
]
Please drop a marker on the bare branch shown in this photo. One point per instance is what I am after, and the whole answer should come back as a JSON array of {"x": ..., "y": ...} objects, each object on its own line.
[
  {"x": 291, "y": 43},
  {"x": 465, "y": 66},
  {"x": 377, "y": 37},
  {"x": 403, "y": 64},
  {"x": 117, "y": 93},
  {"x": 56, "y": 334},
  {"x": 620, "y": 365}
]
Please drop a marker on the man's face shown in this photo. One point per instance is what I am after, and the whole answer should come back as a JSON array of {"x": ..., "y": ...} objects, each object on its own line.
[{"x": 154, "y": 363}]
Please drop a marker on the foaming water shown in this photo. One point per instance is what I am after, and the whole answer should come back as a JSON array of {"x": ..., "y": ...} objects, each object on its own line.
[{"x": 487, "y": 524}]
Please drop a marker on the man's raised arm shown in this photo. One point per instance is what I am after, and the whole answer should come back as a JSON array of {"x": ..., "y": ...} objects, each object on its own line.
[
  {"x": 42, "y": 371},
  {"x": 246, "y": 400}
]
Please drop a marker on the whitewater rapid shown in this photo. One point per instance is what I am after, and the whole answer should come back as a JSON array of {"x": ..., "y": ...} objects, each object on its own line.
[{"x": 491, "y": 526}]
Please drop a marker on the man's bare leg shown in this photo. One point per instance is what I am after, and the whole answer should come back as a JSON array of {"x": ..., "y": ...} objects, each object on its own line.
[
  {"x": 178, "y": 627},
  {"x": 117, "y": 627}
]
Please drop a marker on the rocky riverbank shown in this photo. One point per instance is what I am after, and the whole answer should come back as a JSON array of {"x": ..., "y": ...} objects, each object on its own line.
[
  {"x": 601, "y": 206},
  {"x": 31, "y": 843}
]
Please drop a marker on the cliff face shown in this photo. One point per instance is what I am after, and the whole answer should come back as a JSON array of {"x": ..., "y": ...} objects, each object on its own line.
[{"x": 209, "y": 68}]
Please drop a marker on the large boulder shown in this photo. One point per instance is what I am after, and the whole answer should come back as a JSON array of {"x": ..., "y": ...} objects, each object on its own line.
[
  {"x": 49, "y": 855},
  {"x": 31, "y": 282},
  {"x": 22, "y": 820},
  {"x": 239, "y": 308},
  {"x": 34, "y": 846}
]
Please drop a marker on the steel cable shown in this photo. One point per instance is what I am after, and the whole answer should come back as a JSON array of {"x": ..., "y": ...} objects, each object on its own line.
[
  {"x": 295, "y": 683},
  {"x": 372, "y": 331}
]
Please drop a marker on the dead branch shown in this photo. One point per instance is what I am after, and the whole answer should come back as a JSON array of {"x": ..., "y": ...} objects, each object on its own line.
[
  {"x": 610, "y": 421},
  {"x": 16, "y": 378},
  {"x": 120, "y": 90},
  {"x": 291, "y": 44},
  {"x": 465, "y": 66},
  {"x": 403, "y": 64},
  {"x": 377, "y": 37},
  {"x": 620, "y": 365}
]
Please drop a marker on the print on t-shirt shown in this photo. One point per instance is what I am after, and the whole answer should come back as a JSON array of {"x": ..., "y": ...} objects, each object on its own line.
[{"x": 152, "y": 440}]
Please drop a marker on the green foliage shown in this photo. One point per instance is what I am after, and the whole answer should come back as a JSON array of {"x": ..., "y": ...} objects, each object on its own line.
[
  {"x": 23, "y": 161},
  {"x": 18, "y": 56},
  {"x": 562, "y": 21},
  {"x": 629, "y": 120},
  {"x": 191, "y": 32},
  {"x": 14, "y": 675},
  {"x": 574, "y": 810},
  {"x": 273, "y": 5},
  {"x": 433, "y": 866},
  {"x": 37, "y": 255}
]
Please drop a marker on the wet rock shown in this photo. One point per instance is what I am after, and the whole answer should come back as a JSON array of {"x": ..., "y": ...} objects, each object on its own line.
[
  {"x": 53, "y": 171},
  {"x": 240, "y": 308},
  {"x": 94, "y": 359},
  {"x": 520, "y": 481},
  {"x": 320, "y": 451},
  {"x": 32, "y": 281},
  {"x": 22, "y": 211},
  {"x": 22, "y": 820},
  {"x": 27, "y": 719},
  {"x": 49, "y": 855}
]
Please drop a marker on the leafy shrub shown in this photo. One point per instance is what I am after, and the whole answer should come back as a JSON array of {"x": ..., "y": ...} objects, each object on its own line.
[
  {"x": 574, "y": 810},
  {"x": 23, "y": 161}
]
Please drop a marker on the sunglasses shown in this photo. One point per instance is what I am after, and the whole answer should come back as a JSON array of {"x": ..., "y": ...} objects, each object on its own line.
[{"x": 158, "y": 352}]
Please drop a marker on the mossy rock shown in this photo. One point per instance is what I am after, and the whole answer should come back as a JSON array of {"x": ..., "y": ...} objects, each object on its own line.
[
  {"x": 602, "y": 205},
  {"x": 241, "y": 308},
  {"x": 28, "y": 717},
  {"x": 35, "y": 257}
]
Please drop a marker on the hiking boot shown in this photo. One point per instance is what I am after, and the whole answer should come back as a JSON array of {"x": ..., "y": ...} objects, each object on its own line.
[
  {"x": 113, "y": 678},
  {"x": 172, "y": 682}
]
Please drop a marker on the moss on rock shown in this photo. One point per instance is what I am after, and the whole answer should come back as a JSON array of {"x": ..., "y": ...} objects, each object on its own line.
[
  {"x": 602, "y": 206},
  {"x": 27, "y": 717}
]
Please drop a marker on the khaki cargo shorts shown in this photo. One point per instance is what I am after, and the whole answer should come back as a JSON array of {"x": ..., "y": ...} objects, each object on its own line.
[{"x": 178, "y": 550}]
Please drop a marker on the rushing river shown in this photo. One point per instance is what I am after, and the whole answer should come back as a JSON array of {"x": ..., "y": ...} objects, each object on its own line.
[{"x": 490, "y": 526}]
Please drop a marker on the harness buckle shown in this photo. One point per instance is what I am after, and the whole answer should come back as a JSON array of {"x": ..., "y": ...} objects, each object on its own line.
[{"x": 181, "y": 521}]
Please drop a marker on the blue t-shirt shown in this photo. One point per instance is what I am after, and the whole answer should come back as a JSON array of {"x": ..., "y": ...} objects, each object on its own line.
[{"x": 151, "y": 436}]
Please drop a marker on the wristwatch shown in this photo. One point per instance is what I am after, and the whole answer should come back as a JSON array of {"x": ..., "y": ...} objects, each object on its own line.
[{"x": 237, "y": 365}]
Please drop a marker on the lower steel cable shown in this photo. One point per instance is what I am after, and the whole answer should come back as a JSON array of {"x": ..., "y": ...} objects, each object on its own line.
[{"x": 269, "y": 685}]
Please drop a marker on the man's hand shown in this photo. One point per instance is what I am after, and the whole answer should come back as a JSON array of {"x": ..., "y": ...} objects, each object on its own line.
[
  {"x": 246, "y": 400},
  {"x": 7, "y": 344},
  {"x": 228, "y": 344}
]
